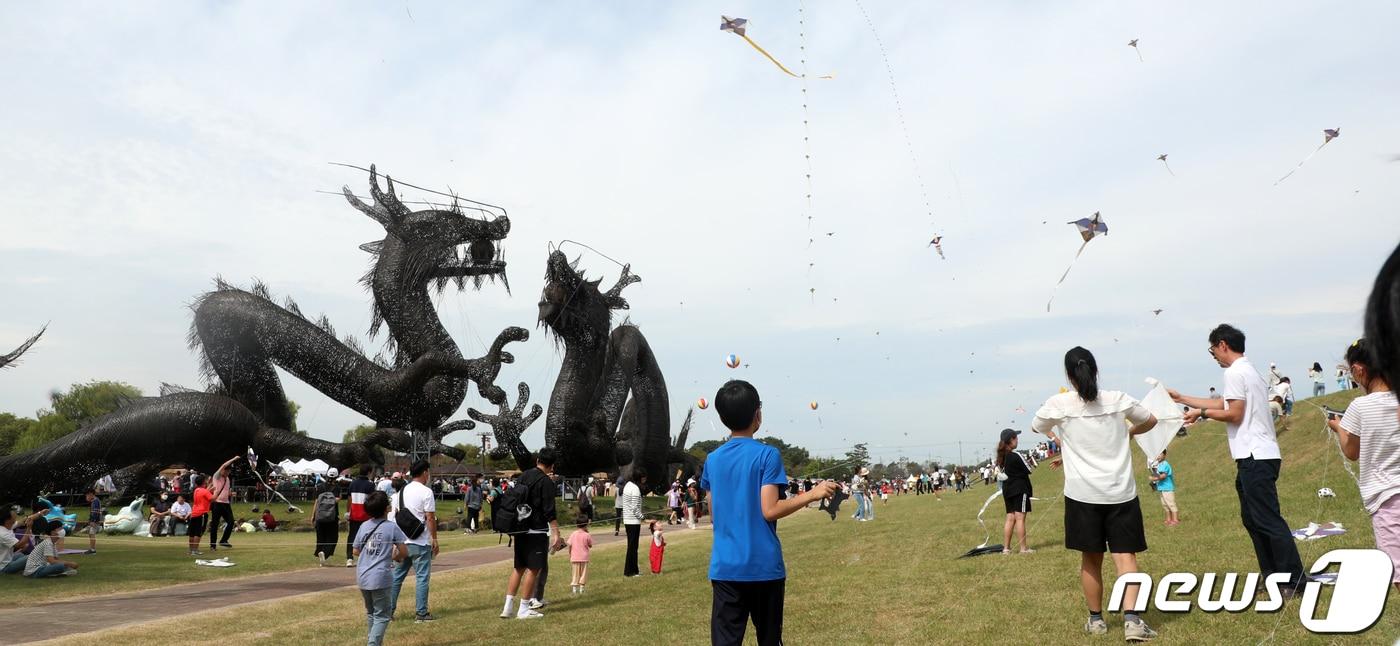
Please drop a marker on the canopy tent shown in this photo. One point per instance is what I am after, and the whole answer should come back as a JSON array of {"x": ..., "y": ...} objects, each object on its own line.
[{"x": 303, "y": 467}]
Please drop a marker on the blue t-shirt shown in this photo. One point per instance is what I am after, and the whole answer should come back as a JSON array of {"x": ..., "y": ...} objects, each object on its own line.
[
  {"x": 746, "y": 546},
  {"x": 376, "y": 540},
  {"x": 1168, "y": 483}
]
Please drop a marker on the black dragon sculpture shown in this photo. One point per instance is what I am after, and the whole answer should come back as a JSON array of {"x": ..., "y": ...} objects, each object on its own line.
[
  {"x": 592, "y": 422},
  {"x": 12, "y": 359},
  {"x": 414, "y": 385}
]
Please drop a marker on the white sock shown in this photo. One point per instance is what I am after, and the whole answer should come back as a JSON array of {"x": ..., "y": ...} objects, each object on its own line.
[
  {"x": 525, "y": 606},
  {"x": 509, "y": 600}
]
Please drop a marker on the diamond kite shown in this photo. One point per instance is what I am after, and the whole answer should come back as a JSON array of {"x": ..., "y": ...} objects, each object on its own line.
[
  {"x": 739, "y": 27},
  {"x": 1133, "y": 44},
  {"x": 1163, "y": 158},
  {"x": 1088, "y": 228},
  {"x": 937, "y": 244},
  {"x": 1327, "y": 136}
]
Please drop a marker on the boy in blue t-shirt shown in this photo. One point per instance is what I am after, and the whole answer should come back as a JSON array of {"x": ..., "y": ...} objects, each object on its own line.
[
  {"x": 743, "y": 477},
  {"x": 377, "y": 545},
  {"x": 1164, "y": 477}
]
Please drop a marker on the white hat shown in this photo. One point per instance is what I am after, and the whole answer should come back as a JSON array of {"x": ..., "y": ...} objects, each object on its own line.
[
  {"x": 863, "y": 472},
  {"x": 332, "y": 473}
]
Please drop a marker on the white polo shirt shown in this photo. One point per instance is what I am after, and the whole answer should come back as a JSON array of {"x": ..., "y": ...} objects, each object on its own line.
[{"x": 1254, "y": 435}]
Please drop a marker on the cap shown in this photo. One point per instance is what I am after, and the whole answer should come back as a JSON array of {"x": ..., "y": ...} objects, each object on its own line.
[
  {"x": 863, "y": 472},
  {"x": 1007, "y": 434}
]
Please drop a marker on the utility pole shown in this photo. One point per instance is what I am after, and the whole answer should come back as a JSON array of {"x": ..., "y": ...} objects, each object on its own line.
[
  {"x": 960, "y": 453},
  {"x": 485, "y": 446}
]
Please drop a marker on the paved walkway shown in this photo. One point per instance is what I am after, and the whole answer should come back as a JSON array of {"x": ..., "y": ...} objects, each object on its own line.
[{"x": 77, "y": 616}]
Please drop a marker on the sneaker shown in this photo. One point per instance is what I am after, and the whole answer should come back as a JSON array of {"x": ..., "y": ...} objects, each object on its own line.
[
  {"x": 196, "y": 553},
  {"x": 418, "y": 619},
  {"x": 529, "y": 614},
  {"x": 90, "y": 552},
  {"x": 349, "y": 562},
  {"x": 70, "y": 572},
  {"x": 507, "y": 613},
  {"x": 321, "y": 558},
  {"x": 536, "y": 605},
  {"x": 1096, "y": 627},
  {"x": 1137, "y": 631},
  {"x": 225, "y": 545}
]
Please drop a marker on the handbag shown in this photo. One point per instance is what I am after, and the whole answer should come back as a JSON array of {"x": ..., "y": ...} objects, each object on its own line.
[{"x": 411, "y": 526}]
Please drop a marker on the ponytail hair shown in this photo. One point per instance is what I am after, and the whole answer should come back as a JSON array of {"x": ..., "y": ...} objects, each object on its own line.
[
  {"x": 1317, "y": 367},
  {"x": 1083, "y": 373},
  {"x": 1002, "y": 450}
]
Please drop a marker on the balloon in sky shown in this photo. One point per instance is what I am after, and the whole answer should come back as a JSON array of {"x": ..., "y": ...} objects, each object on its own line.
[
  {"x": 813, "y": 405},
  {"x": 732, "y": 361},
  {"x": 702, "y": 403}
]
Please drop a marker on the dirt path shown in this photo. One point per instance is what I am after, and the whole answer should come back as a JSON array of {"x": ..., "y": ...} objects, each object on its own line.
[{"x": 63, "y": 619}]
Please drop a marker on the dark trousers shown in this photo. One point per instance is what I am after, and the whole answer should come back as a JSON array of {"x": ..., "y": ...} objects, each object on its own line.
[
  {"x": 1273, "y": 541},
  {"x": 327, "y": 535},
  {"x": 634, "y": 534},
  {"x": 736, "y": 601},
  {"x": 617, "y": 522},
  {"x": 352, "y": 528},
  {"x": 220, "y": 511},
  {"x": 474, "y": 518}
]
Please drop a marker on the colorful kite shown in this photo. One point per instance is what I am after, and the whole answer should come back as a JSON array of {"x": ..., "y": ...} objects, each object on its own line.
[
  {"x": 1327, "y": 136},
  {"x": 1163, "y": 158},
  {"x": 937, "y": 244},
  {"x": 1133, "y": 44},
  {"x": 732, "y": 361},
  {"x": 739, "y": 27},
  {"x": 1088, "y": 228}
]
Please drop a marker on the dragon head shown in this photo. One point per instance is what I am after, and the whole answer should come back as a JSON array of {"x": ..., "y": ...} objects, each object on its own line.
[
  {"x": 573, "y": 307},
  {"x": 432, "y": 245}
]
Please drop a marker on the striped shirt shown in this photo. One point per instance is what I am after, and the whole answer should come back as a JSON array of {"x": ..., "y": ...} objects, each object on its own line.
[
  {"x": 1371, "y": 418},
  {"x": 631, "y": 504}
]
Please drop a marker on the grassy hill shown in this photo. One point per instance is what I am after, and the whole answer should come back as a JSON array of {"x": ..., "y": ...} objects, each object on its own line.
[{"x": 895, "y": 580}]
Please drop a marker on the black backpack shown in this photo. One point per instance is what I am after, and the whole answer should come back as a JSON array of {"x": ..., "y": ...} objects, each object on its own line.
[
  {"x": 510, "y": 509},
  {"x": 327, "y": 507}
]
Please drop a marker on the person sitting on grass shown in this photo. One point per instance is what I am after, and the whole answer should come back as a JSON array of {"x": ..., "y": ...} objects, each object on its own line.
[
  {"x": 378, "y": 545},
  {"x": 179, "y": 515},
  {"x": 11, "y": 546},
  {"x": 742, "y": 477},
  {"x": 43, "y": 561},
  {"x": 1369, "y": 431},
  {"x": 1101, "y": 502},
  {"x": 160, "y": 517},
  {"x": 269, "y": 522}
]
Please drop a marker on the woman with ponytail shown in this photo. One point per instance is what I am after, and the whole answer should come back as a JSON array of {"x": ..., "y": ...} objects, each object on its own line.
[
  {"x": 1101, "y": 503},
  {"x": 1015, "y": 481}
]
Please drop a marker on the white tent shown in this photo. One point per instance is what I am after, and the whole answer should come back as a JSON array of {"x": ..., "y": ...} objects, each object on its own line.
[{"x": 303, "y": 467}]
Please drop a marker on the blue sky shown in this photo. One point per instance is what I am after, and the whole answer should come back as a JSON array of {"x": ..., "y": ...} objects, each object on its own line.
[{"x": 152, "y": 147}]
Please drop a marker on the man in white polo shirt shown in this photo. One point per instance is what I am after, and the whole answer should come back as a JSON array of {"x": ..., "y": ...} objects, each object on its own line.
[{"x": 1245, "y": 410}]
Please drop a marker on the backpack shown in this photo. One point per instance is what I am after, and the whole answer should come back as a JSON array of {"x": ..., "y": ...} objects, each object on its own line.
[
  {"x": 326, "y": 507},
  {"x": 511, "y": 509}
]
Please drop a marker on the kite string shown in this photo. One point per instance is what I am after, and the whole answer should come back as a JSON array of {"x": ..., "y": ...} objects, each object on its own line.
[
  {"x": 502, "y": 209},
  {"x": 1300, "y": 164},
  {"x": 899, "y": 113}
]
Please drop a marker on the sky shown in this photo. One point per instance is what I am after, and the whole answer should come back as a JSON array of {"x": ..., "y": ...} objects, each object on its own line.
[{"x": 151, "y": 147}]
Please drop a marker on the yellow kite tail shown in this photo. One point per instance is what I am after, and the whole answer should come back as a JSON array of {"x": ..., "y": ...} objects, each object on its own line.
[{"x": 770, "y": 57}]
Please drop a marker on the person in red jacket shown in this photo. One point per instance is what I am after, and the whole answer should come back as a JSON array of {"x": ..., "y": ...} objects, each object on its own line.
[{"x": 199, "y": 514}]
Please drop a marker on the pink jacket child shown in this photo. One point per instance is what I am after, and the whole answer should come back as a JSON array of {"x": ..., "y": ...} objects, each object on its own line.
[{"x": 580, "y": 542}]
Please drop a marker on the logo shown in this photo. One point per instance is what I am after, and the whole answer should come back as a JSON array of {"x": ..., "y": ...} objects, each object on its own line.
[{"x": 1358, "y": 598}]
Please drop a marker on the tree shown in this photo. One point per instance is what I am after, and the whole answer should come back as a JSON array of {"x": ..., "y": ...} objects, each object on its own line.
[
  {"x": 858, "y": 456},
  {"x": 293, "y": 408},
  {"x": 357, "y": 434},
  {"x": 85, "y": 402},
  {"x": 704, "y": 448},
  {"x": 794, "y": 457},
  {"x": 11, "y": 429}
]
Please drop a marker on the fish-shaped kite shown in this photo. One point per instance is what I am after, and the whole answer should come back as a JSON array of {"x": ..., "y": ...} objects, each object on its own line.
[
  {"x": 1163, "y": 158},
  {"x": 1327, "y": 136},
  {"x": 1133, "y": 44},
  {"x": 937, "y": 244},
  {"x": 1088, "y": 228},
  {"x": 739, "y": 27}
]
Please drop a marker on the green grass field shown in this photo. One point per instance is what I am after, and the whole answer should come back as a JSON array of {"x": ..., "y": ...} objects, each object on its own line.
[{"x": 892, "y": 581}]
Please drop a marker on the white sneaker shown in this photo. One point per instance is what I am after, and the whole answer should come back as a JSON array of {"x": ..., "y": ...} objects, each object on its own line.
[
  {"x": 529, "y": 614},
  {"x": 1137, "y": 631},
  {"x": 321, "y": 558},
  {"x": 349, "y": 562},
  {"x": 1096, "y": 627},
  {"x": 507, "y": 613},
  {"x": 536, "y": 605}
]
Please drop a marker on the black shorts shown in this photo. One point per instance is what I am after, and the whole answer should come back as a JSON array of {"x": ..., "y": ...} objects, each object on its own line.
[
  {"x": 531, "y": 551},
  {"x": 1088, "y": 527},
  {"x": 196, "y": 525},
  {"x": 1018, "y": 503}
]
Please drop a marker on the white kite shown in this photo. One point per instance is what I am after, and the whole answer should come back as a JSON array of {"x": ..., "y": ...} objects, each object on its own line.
[{"x": 1170, "y": 419}]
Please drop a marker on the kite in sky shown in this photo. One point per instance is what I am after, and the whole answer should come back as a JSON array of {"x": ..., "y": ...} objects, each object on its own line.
[
  {"x": 1133, "y": 44},
  {"x": 1327, "y": 136},
  {"x": 937, "y": 244},
  {"x": 739, "y": 27},
  {"x": 1157, "y": 312},
  {"x": 1088, "y": 228},
  {"x": 1163, "y": 158}
]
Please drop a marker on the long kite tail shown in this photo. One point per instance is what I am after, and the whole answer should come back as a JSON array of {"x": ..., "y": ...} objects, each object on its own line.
[
  {"x": 1300, "y": 164},
  {"x": 1169, "y": 167},
  {"x": 1139, "y": 53},
  {"x": 775, "y": 61},
  {"x": 1066, "y": 274},
  {"x": 988, "y": 538}
]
